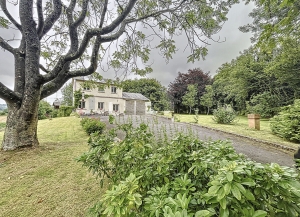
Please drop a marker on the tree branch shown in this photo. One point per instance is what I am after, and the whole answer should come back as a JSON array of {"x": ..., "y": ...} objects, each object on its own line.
[
  {"x": 8, "y": 15},
  {"x": 8, "y": 95},
  {"x": 120, "y": 18},
  {"x": 39, "y": 5},
  {"x": 52, "y": 18},
  {"x": 54, "y": 85},
  {"x": 103, "y": 14},
  {"x": 82, "y": 15},
  {"x": 6, "y": 46},
  {"x": 43, "y": 68}
]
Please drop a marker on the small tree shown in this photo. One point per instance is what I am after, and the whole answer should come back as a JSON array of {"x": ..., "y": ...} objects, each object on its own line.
[
  {"x": 189, "y": 99},
  {"x": 67, "y": 95},
  {"x": 207, "y": 99},
  {"x": 44, "y": 110}
]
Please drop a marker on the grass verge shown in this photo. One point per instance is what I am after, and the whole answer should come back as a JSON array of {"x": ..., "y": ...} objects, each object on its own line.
[
  {"x": 240, "y": 126},
  {"x": 47, "y": 180}
]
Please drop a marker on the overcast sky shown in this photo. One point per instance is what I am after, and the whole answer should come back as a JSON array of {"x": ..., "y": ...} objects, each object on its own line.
[{"x": 218, "y": 53}]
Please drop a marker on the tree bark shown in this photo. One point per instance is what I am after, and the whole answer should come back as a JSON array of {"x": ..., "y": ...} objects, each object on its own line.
[{"x": 21, "y": 124}]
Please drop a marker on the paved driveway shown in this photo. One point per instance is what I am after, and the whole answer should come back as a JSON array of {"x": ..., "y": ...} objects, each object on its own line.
[{"x": 256, "y": 151}]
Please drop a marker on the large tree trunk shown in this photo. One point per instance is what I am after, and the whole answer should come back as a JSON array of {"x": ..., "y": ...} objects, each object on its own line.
[{"x": 21, "y": 124}]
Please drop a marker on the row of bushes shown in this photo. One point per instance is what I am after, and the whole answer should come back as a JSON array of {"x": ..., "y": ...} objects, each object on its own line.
[
  {"x": 186, "y": 177},
  {"x": 46, "y": 111},
  {"x": 92, "y": 125},
  {"x": 285, "y": 125}
]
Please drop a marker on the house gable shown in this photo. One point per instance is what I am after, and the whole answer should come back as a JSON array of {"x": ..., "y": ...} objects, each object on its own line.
[{"x": 109, "y": 100}]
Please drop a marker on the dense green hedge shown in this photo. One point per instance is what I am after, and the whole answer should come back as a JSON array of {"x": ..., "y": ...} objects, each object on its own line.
[
  {"x": 287, "y": 123},
  {"x": 91, "y": 125},
  {"x": 65, "y": 111},
  {"x": 186, "y": 177}
]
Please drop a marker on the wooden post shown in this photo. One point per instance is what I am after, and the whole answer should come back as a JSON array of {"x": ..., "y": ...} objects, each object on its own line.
[{"x": 254, "y": 121}]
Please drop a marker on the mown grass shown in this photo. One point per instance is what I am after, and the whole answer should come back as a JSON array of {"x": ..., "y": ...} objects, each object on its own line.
[
  {"x": 240, "y": 126},
  {"x": 47, "y": 180}
]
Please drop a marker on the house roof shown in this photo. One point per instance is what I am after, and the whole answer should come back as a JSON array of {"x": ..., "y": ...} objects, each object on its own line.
[
  {"x": 56, "y": 103},
  {"x": 136, "y": 96}
]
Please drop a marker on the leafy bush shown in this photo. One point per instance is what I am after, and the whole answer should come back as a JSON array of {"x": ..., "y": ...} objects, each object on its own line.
[
  {"x": 91, "y": 125},
  {"x": 45, "y": 110},
  {"x": 287, "y": 123},
  {"x": 3, "y": 112},
  {"x": 65, "y": 111},
  {"x": 111, "y": 119},
  {"x": 224, "y": 115},
  {"x": 2, "y": 126},
  {"x": 160, "y": 112},
  {"x": 186, "y": 177},
  {"x": 264, "y": 104}
]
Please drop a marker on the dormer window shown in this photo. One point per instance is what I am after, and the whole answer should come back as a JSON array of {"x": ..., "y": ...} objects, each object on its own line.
[{"x": 113, "y": 89}]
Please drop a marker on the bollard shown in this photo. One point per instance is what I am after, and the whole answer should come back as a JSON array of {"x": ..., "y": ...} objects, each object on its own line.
[{"x": 254, "y": 121}]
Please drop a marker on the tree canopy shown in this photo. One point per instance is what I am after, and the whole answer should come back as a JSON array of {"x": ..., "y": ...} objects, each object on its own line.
[
  {"x": 178, "y": 87},
  {"x": 189, "y": 98},
  {"x": 67, "y": 95},
  {"x": 62, "y": 39},
  {"x": 150, "y": 88},
  {"x": 273, "y": 21}
]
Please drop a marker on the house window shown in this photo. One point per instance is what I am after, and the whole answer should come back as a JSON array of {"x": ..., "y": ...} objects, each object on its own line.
[
  {"x": 101, "y": 88},
  {"x": 100, "y": 105},
  {"x": 116, "y": 107},
  {"x": 82, "y": 104},
  {"x": 113, "y": 89}
]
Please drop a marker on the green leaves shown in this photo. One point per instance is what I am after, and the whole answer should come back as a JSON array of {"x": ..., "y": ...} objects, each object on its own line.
[
  {"x": 260, "y": 213},
  {"x": 287, "y": 124},
  {"x": 147, "y": 179},
  {"x": 4, "y": 22}
]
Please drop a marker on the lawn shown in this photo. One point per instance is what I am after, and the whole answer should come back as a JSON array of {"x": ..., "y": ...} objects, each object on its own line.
[
  {"x": 240, "y": 126},
  {"x": 47, "y": 180}
]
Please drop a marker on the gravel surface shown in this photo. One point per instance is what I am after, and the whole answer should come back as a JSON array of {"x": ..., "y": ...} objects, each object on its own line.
[{"x": 257, "y": 151}]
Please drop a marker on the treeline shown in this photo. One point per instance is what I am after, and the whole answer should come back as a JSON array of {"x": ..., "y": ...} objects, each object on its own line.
[{"x": 260, "y": 82}]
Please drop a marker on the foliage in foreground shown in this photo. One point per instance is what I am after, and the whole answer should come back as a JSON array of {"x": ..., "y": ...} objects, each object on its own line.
[
  {"x": 224, "y": 115},
  {"x": 287, "y": 123},
  {"x": 186, "y": 177},
  {"x": 92, "y": 125}
]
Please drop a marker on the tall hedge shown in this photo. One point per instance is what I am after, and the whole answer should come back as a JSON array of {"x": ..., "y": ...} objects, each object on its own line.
[{"x": 287, "y": 123}]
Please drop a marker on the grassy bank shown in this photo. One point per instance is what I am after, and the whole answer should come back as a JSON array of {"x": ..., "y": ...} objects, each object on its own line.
[
  {"x": 47, "y": 181},
  {"x": 240, "y": 126}
]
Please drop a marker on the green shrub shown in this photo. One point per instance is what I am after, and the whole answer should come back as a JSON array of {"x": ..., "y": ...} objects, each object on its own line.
[
  {"x": 2, "y": 126},
  {"x": 3, "y": 112},
  {"x": 264, "y": 104},
  {"x": 186, "y": 177},
  {"x": 224, "y": 115},
  {"x": 111, "y": 119},
  {"x": 83, "y": 121},
  {"x": 65, "y": 111},
  {"x": 91, "y": 125},
  {"x": 160, "y": 112},
  {"x": 54, "y": 113},
  {"x": 287, "y": 123},
  {"x": 45, "y": 110}
]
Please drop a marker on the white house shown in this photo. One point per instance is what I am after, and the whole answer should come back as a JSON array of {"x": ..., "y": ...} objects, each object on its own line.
[{"x": 109, "y": 100}]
